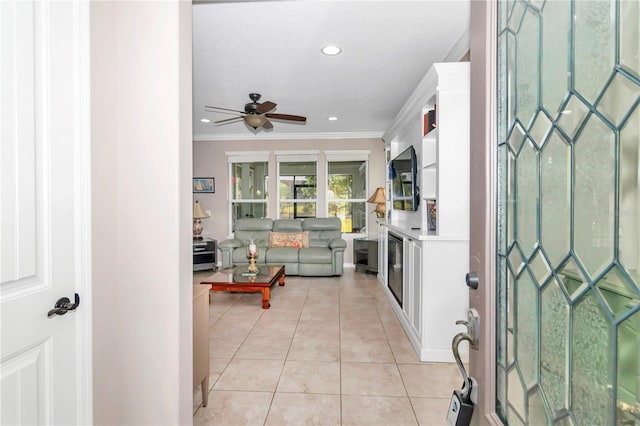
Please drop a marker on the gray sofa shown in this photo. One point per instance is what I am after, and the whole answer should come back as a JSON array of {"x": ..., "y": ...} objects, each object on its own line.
[{"x": 324, "y": 255}]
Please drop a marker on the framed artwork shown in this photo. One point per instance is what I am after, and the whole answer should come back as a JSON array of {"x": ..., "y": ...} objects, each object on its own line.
[{"x": 204, "y": 184}]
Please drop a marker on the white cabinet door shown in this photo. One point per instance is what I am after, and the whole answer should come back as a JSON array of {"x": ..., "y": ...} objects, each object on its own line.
[
  {"x": 45, "y": 180},
  {"x": 416, "y": 284}
]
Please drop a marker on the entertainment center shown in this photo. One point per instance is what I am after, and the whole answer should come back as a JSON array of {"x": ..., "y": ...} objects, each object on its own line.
[{"x": 424, "y": 240}]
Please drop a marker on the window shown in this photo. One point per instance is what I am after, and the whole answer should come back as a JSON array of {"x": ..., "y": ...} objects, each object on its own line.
[
  {"x": 298, "y": 189},
  {"x": 346, "y": 193},
  {"x": 249, "y": 189}
]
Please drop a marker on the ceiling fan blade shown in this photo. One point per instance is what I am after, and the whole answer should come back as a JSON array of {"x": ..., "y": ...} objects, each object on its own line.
[
  {"x": 228, "y": 119},
  {"x": 265, "y": 107},
  {"x": 267, "y": 124},
  {"x": 224, "y": 109},
  {"x": 286, "y": 117}
]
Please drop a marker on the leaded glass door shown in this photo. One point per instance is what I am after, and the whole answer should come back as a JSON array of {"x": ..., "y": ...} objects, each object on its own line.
[{"x": 568, "y": 343}]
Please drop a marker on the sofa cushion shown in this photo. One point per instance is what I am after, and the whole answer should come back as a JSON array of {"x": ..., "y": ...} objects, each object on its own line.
[
  {"x": 253, "y": 229},
  {"x": 279, "y": 255},
  {"x": 287, "y": 225},
  {"x": 289, "y": 239},
  {"x": 322, "y": 230},
  {"x": 315, "y": 255}
]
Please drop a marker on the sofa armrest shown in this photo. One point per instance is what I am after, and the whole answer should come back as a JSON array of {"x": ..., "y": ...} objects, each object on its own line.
[
  {"x": 337, "y": 243},
  {"x": 226, "y": 249}
]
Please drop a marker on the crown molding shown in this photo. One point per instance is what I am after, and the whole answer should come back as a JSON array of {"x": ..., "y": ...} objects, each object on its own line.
[{"x": 287, "y": 136}]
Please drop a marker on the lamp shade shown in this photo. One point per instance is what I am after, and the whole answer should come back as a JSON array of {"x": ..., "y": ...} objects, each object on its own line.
[
  {"x": 198, "y": 211},
  {"x": 378, "y": 196}
]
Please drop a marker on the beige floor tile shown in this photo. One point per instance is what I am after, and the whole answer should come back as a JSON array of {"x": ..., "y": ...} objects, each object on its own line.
[
  {"x": 225, "y": 328},
  {"x": 318, "y": 329},
  {"x": 304, "y": 409},
  {"x": 250, "y": 375},
  {"x": 234, "y": 408},
  {"x": 403, "y": 351},
  {"x": 371, "y": 379},
  {"x": 271, "y": 326},
  {"x": 436, "y": 380},
  {"x": 224, "y": 348},
  {"x": 312, "y": 349},
  {"x": 366, "y": 350},
  {"x": 310, "y": 377},
  {"x": 320, "y": 313},
  {"x": 216, "y": 367},
  {"x": 361, "y": 330},
  {"x": 264, "y": 347},
  {"x": 376, "y": 411},
  {"x": 431, "y": 411}
]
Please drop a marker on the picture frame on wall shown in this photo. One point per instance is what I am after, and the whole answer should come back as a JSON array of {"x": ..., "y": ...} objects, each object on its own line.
[{"x": 204, "y": 185}]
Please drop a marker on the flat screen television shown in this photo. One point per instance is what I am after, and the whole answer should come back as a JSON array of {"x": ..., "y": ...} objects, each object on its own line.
[{"x": 403, "y": 173}]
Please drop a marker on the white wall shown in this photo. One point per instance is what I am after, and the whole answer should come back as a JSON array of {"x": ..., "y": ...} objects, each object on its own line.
[
  {"x": 141, "y": 165},
  {"x": 209, "y": 160}
]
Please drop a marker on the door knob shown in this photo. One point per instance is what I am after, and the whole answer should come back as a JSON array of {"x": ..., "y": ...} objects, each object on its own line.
[
  {"x": 472, "y": 280},
  {"x": 64, "y": 305}
]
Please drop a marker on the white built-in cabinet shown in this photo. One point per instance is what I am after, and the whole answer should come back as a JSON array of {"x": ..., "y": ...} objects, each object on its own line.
[{"x": 434, "y": 261}]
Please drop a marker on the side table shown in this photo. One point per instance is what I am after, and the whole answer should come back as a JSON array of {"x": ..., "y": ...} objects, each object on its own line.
[{"x": 365, "y": 254}]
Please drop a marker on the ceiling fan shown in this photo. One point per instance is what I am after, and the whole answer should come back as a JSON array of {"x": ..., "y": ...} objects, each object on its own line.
[{"x": 256, "y": 114}]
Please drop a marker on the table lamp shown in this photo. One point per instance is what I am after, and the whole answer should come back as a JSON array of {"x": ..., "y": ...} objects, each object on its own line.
[
  {"x": 198, "y": 213},
  {"x": 380, "y": 199}
]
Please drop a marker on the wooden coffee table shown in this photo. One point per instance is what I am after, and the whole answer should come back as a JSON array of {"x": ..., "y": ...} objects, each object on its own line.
[{"x": 233, "y": 280}]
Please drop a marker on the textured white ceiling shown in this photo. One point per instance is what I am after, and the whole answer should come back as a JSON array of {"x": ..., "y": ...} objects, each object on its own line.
[{"x": 273, "y": 48}]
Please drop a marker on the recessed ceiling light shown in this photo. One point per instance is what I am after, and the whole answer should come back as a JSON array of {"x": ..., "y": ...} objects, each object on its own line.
[
  {"x": 331, "y": 50},
  {"x": 205, "y": 120},
  {"x": 333, "y": 118}
]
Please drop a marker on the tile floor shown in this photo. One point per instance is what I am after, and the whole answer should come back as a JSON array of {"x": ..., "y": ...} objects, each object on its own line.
[{"x": 329, "y": 351}]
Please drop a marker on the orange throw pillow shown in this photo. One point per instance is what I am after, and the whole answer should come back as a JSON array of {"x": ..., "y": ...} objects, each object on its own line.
[{"x": 289, "y": 239}]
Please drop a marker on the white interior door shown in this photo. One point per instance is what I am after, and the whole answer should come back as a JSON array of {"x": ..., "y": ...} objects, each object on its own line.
[{"x": 45, "y": 240}]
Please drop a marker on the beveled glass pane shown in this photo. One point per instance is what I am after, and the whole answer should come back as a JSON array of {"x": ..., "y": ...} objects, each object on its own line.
[
  {"x": 516, "y": 15},
  {"x": 510, "y": 318},
  {"x": 502, "y": 307},
  {"x": 528, "y": 40},
  {"x": 511, "y": 78},
  {"x": 629, "y": 218},
  {"x": 629, "y": 35},
  {"x": 571, "y": 279},
  {"x": 628, "y": 370},
  {"x": 572, "y": 116},
  {"x": 516, "y": 137},
  {"x": 594, "y": 46},
  {"x": 249, "y": 181},
  {"x": 591, "y": 363},
  {"x": 556, "y": 198},
  {"x": 510, "y": 185},
  {"x": 516, "y": 392},
  {"x": 516, "y": 262},
  {"x": 540, "y": 128},
  {"x": 537, "y": 413},
  {"x": 556, "y": 17},
  {"x": 527, "y": 328},
  {"x": 620, "y": 294},
  {"x": 539, "y": 267},
  {"x": 594, "y": 208},
  {"x": 554, "y": 332},
  {"x": 502, "y": 200},
  {"x": 527, "y": 183},
  {"x": 618, "y": 98}
]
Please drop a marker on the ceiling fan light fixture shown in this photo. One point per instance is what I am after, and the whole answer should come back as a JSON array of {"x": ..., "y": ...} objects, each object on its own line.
[
  {"x": 254, "y": 121},
  {"x": 331, "y": 50}
]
